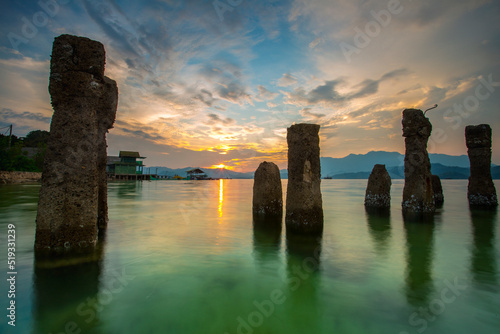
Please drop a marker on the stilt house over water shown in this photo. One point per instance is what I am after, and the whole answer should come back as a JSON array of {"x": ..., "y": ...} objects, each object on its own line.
[{"x": 125, "y": 166}]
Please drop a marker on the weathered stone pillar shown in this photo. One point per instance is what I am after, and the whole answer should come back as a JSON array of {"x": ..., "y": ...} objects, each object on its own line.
[
  {"x": 438, "y": 190},
  {"x": 84, "y": 103},
  {"x": 418, "y": 196},
  {"x": 304, "y": 206},
  {"x": 378, "y": 190},
  {"x": 267, "y": 191},
  {"x": 481, "y": 190}
]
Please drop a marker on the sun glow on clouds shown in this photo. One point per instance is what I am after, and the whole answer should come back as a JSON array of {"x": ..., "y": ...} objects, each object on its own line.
[{"x": 222, "y": 166}]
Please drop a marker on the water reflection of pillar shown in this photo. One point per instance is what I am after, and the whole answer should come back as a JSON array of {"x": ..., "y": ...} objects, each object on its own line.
[
  {"x": 419, "y": 257},
  {"x": 303, "y": 279},
  {"x": 128, "y": 190},
  {"x": 65, "y": 293},
  {"x": 483, "y": 262},
  {"x": 267, "y": 244},
  {"x": 379, "y": 226}
]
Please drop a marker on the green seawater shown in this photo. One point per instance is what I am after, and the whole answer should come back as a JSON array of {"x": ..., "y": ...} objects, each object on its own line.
[{"x": 183, "y": 257}]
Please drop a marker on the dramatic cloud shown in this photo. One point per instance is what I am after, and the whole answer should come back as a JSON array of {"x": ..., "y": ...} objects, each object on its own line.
[
  {"x": 329, "y": 91},
  {"x": 306, "y": 112},
  {"x": 8, "y": 115},
  {"x": 215, "y": 119}
]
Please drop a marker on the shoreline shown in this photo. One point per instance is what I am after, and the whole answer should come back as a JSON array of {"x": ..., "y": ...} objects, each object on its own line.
[{"x": 20, "y": 177}]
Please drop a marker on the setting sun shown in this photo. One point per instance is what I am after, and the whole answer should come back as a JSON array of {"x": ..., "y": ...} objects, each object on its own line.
[{"x": 221, "y": 166}]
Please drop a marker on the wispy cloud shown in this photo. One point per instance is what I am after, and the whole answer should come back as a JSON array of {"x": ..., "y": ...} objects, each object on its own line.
[
  {"x": 264, "y": 94},
  {"x": 287, "y": 80},
  {"x": 8, "y": 115}
]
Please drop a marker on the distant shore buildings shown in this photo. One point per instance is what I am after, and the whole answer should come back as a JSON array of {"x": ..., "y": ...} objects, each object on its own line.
[
  {"x": 196, "y": 174},
  {"x": 126, "y": 166}
]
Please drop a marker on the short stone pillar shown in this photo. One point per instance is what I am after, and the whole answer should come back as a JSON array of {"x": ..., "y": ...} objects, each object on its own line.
[
  {"x": 73, "y": 177},
  {"x": 304, "y": 206},
  {"x": 437, "y": 188},
  {"x": 378, "y": 190},
  {"x": 267, "y": 192},
  {"x": 418, "y": 196},
  {"x": 481, "y": 190}
]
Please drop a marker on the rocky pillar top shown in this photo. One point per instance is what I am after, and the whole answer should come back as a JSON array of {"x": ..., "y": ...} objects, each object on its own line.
[
  {"x": 416, "y": 124},
  {"x": 478, "y": 136},
  {"x": 77, "y": 54}
]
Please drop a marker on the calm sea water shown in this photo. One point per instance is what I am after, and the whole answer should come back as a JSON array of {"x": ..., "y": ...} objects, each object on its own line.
[{"x": 183, "y": 257}]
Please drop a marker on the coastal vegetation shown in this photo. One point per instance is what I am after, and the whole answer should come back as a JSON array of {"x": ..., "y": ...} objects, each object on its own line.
[{"x": 23, "y": 154}]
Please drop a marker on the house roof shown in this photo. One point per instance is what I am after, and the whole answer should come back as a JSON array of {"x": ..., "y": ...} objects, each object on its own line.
[
  {"x": 195, "y": 171},
  {"x": 130, "y": 154}
]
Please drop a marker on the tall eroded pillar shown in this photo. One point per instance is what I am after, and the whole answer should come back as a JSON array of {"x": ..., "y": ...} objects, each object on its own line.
[
  {"x": 304, "y": 206},
  {"x": 418, "y": 196},
  {"x": 84, "y": 103},
  {"x": 481, "y": 190}
]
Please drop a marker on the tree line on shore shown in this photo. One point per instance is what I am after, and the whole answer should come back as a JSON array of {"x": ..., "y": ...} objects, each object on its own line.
[{"x": 23, "y": 153}]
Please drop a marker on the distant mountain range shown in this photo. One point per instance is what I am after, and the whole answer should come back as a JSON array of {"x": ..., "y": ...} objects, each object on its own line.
[{"x": 356, "y": 166}]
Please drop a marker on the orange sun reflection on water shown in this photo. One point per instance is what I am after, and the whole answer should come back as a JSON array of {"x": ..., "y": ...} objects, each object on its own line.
[{"x": 221, "y": 198}]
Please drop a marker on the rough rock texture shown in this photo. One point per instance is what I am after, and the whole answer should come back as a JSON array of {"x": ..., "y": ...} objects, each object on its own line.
[
  {"x": 84, "y": 103},
  {"x": 418, "y": 196},
  {"x": 481, "y": 190},
  {"x": 19, "y": 177},
  {"x": 438, "y": 190},
  {"x": 106, "y": 117},
  {"x": 378, "y": 190},
  {"x": 304, "y": 205},
  {"x": 267, "y": 191}
]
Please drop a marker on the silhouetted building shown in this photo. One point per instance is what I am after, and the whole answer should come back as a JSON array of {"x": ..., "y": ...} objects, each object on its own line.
[{"x": 196, "y": 174}]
